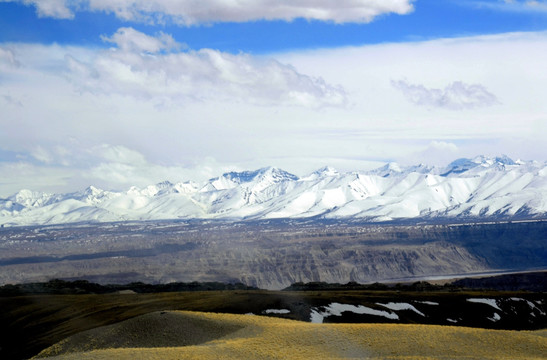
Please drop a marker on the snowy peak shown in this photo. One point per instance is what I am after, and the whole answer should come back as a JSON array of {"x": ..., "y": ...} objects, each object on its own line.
[
  {"x": 324, "y": 172},
  {"x": 462, "y": 165},
  {"x": 394, "y": 168},
  {"x": 272, "y": 174},
  {"x": 185, "y": 187},
  {"x": 327, "y": 171},
  {"x": 91, "y": 195},
  {"x": 499, "y": 161},
  {"x": 505, "y": 160},
  {"x": 265, "y": 177},
  {"x": 28, "y": 198},
  {"x": 481, "y": 187},
  {"x": 241, "y": 177},
  {"x": 90, "y": 192},
  {"x": 388, "y": 169},
  {"x": 420, "y": 169},
  {"x": 161, "y": 188}
]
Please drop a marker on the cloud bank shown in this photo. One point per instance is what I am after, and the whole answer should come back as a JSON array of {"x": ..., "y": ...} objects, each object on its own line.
[
  {"x": 104, "y": 165},
  {"x": 7, "y": 58},
  {"x": 149, "y": 67},
  {"x": 193, "y": 12},
  {"x": 455, "y": 96},
  {"x": 112, "y": 133}
]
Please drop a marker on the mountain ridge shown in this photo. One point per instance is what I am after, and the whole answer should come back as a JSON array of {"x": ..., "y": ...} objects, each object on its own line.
[{"x": 480, "y": 187}]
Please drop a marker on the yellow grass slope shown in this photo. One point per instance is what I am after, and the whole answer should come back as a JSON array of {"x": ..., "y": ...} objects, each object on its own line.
[{"x": 257, "y": 337}]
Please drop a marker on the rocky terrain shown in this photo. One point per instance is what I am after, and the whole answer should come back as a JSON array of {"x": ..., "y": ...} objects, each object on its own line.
[{"x": 269, "y": 254}]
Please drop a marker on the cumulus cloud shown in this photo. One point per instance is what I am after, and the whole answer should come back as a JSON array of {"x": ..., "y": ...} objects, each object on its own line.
[
  {"x": 55, "y": 168},
  {"x": 150, "y": 67},
  {"x": 129, "y": 39},
  {"x": 437, "y": 153},
  {"x": 119, "y": 167},
  {"x": 442, "y": 146},
  {"x": 455, "y": 96},
  {"x": 191, "y": 12},
  {"x": 58, "y": 9}
]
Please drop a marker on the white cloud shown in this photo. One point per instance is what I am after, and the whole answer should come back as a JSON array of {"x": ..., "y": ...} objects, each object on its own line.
[
  {"x": 7, "y": 58},
  {"x": 442, "y": 146},
  {"x": 58, "y": 9},
  {"x": 10, "y": 100},
  {"x": 192, "y": 12},
  {"x": 106, "y": 166},
  {"x": 455, "y": 96},
  {"x": 120, "y": 167},
  {"x": 131, "y": 40},
  {"x": 23, "y": 175},
  {"x": 119, "y": 154},
  {"x": 149, "y": 67},
  {"x": 145, "y": 144},
  {"x": 42, "y": 155},
  {"x": 438, "y": 153}
]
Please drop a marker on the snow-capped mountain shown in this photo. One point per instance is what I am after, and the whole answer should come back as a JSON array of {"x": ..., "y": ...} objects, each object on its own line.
[{"x": 479, "y": 187}]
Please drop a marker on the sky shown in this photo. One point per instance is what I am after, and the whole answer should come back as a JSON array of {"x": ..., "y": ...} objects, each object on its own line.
[{"x": 124, "y": 93}]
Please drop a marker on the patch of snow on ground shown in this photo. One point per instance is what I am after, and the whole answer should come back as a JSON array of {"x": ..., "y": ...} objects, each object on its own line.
[
  {"x": 337, "y": 309},
  {"x": 495, "y": 318},
  {"x": 276, "y": 311},
  {"x": 530, "y": 304},
  {"x": 491, "y": 302},
  {"x": 428, "y": 302},
  {"x": 401, "y": 306},
  {"x": 316, "y": 317}
]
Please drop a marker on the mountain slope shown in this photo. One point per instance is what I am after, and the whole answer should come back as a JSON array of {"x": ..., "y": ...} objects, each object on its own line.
[{"x": 479, "y": 187}]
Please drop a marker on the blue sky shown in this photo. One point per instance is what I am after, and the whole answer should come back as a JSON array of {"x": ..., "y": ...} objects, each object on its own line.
[
  {"x": 132, "y": 92},
  {"x": 430, "y": 19}
]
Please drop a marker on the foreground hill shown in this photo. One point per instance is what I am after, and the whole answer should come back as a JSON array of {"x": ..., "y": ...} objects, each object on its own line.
[
  {"x": 467, "y": 188},
  {"x": 187, "y": 335},
  {"x": 32, "y": 323}
]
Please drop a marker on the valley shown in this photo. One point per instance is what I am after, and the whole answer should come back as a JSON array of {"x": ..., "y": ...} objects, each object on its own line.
[{"x": 269, "y": 254}]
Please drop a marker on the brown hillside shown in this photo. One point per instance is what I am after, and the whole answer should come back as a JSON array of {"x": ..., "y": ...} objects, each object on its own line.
[{"x": 246, "y": 336}]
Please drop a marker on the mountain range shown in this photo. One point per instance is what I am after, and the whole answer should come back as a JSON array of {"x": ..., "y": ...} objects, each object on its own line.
[{"x": 482, "y": 187}]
